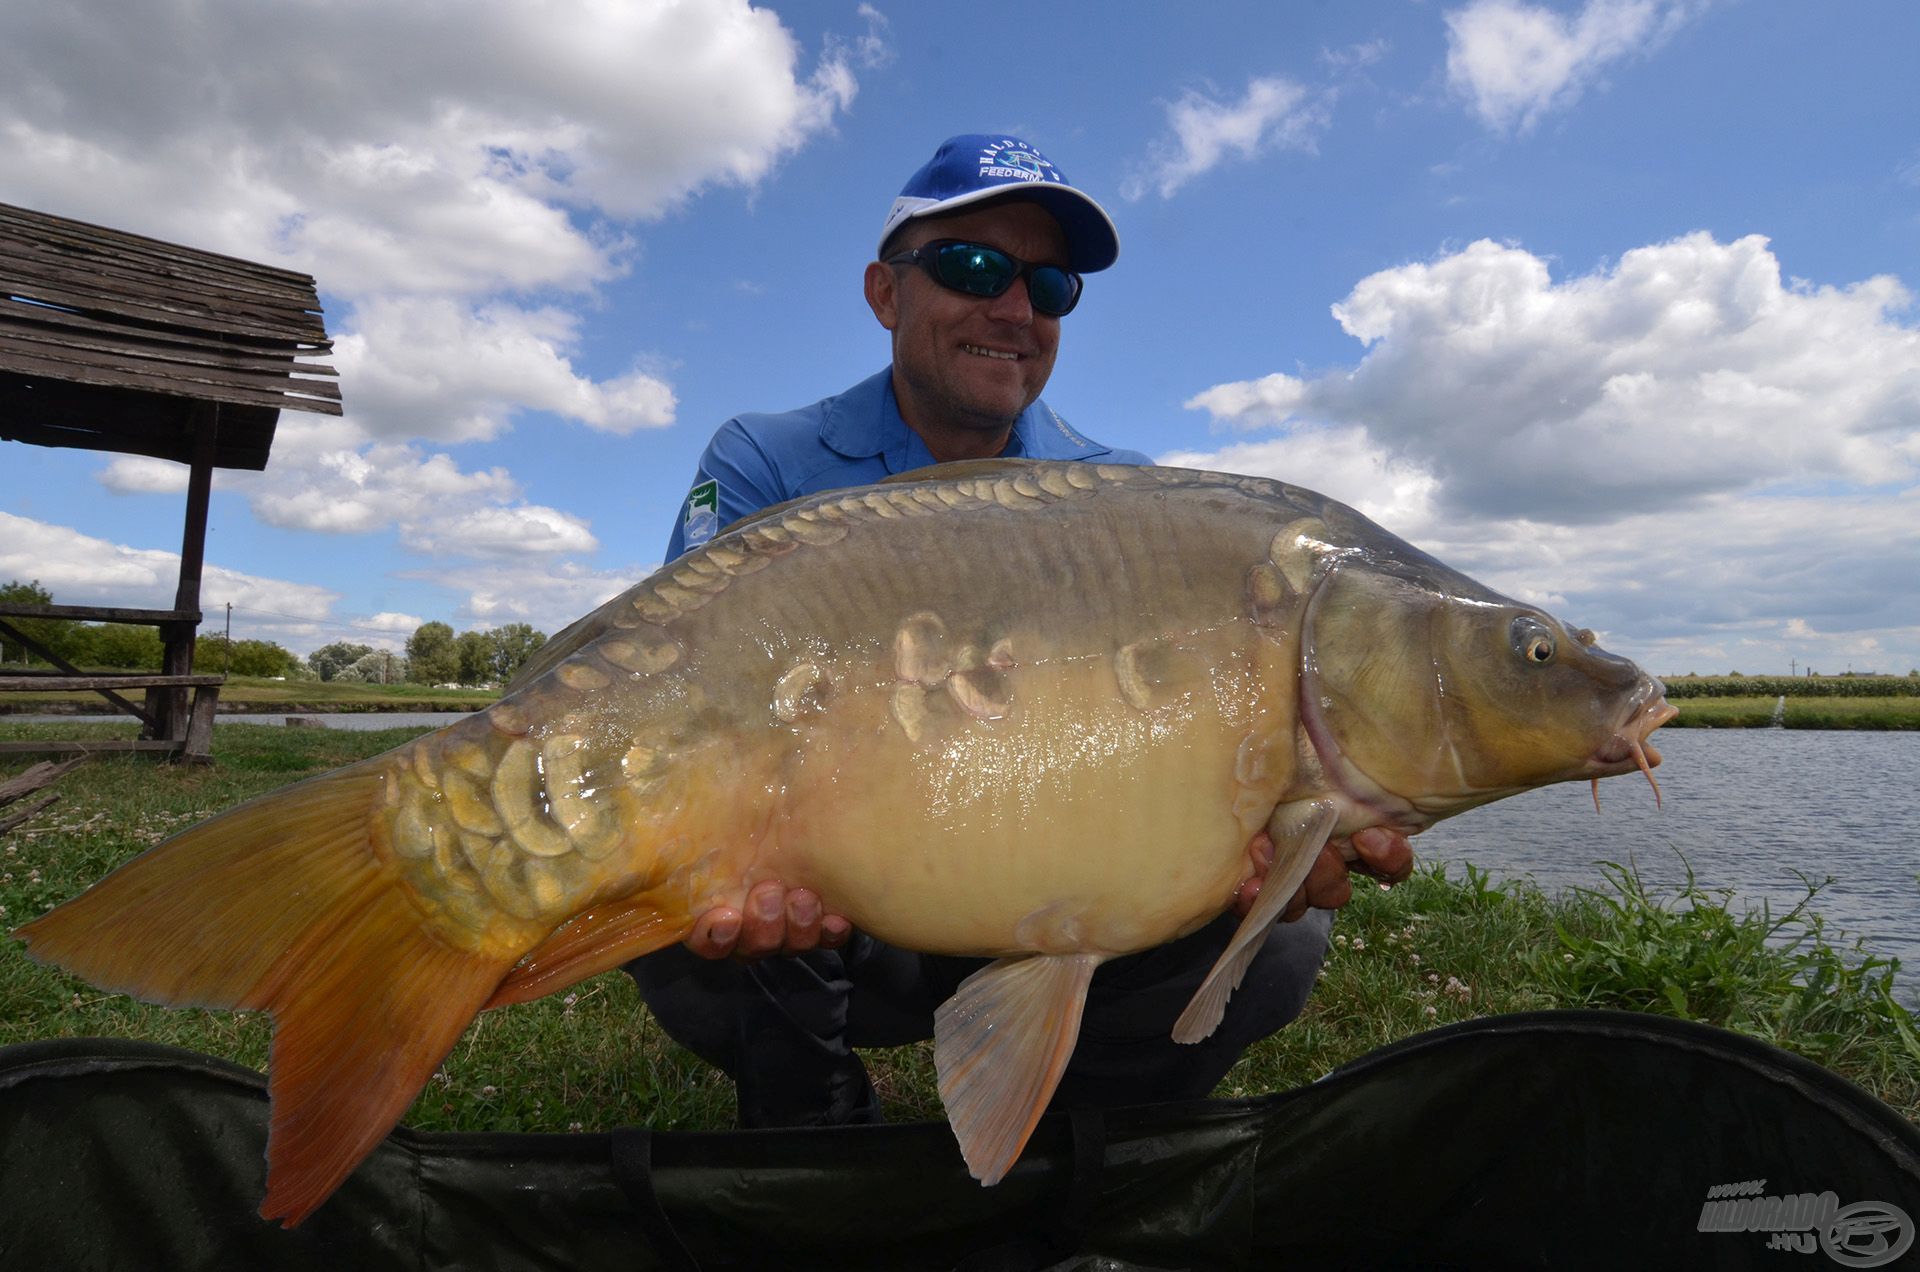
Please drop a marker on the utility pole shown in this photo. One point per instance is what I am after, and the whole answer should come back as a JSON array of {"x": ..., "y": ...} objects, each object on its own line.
[{"x": 1793, "y": 667}]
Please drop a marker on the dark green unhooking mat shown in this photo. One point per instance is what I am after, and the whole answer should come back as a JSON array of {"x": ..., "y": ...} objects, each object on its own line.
[{"x": 1550, "y": 1140}]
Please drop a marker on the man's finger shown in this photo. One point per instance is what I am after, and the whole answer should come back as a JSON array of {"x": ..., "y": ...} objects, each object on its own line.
[
  {"x": 763, "y": 928},
  {"x": 715, "y": 933},
  {"x": 803, "y": 922},
  {"x": 1326, "y": 886},
  {"x": 1385, "y": 854}
]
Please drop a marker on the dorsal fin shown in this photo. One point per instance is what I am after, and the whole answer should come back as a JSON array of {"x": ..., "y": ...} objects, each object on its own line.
[
  {"x": 963, "y": 469},
  {"x": 957, "y": 470}
]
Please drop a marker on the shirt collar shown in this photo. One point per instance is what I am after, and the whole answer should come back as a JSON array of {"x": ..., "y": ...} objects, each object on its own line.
[{"x": 865, "y": 421}]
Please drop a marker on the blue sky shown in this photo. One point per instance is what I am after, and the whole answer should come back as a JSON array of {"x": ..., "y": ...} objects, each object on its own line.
[{"x": 1609, "y": 303}]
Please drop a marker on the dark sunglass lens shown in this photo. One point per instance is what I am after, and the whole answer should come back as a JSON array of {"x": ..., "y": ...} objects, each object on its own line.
[
  {"x": 1053, "y": 290},
  {"x": 976, "y": 270}
]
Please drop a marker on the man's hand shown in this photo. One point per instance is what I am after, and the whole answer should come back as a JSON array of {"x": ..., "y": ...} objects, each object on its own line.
[
  {"x": 773, "y": 921},
  {"x": 1383, "y": 854}
]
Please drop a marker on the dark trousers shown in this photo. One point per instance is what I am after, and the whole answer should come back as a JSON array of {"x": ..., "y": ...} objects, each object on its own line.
[{"x": 785, "y": 1028}]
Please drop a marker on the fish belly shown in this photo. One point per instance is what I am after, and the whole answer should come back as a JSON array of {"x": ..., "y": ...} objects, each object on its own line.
[{"x": 1074, "y": 821}]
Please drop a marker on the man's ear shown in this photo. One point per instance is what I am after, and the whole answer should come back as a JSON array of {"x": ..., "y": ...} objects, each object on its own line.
[{"x": 883, "y": 293}]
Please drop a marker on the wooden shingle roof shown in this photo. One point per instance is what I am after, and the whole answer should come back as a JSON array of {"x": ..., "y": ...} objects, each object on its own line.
[{"x": 108, "y": 341}]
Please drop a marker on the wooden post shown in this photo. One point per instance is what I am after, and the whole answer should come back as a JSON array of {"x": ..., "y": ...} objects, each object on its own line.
[{"x": 205, "y": 423}]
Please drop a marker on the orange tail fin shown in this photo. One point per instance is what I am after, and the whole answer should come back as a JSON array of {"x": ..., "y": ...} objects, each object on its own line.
[{"x": 282, "y": 905}]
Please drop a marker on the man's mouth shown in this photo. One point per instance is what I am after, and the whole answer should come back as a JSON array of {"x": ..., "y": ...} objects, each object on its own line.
[{"x": 1002, "y": 354}]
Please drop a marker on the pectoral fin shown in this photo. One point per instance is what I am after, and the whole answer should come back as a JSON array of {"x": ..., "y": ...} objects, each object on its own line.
[
  {"x": 1000, "y": 1045},
  {"x": 1300, "y": 830}
]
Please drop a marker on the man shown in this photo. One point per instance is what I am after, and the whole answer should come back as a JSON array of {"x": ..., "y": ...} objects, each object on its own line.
[{"x": 980, "y": 258}]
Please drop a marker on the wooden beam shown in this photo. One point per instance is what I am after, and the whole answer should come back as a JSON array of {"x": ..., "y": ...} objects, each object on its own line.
[
  {"x": 100, "y": 614},
  {"x": 86, "y": 748},
  {"x": 27, "y": 814},
  {"x": 132, "y": 680},
  {"x": 139, "y": 713},
  {"x": 34, "y": 778}
]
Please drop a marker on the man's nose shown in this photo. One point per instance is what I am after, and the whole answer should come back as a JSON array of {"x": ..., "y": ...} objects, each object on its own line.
[{"x": 1013, "y": 306}]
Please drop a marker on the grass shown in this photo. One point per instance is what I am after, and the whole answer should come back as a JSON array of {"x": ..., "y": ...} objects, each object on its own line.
[
  {"x": 1434, "y": 950},
  {"x": 1798, "y": 713}
]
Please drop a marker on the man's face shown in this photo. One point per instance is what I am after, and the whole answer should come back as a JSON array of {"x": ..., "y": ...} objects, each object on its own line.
[{"x": 969, "y": 362}]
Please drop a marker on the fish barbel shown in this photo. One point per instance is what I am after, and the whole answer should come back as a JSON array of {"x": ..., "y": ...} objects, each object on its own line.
[{"x": 1029, "y": 711}]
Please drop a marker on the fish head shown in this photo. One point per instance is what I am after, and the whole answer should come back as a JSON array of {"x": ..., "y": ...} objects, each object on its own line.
[{"x": 1426, "y": 694}]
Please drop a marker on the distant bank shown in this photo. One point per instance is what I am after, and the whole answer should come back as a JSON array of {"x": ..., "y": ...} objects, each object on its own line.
[
  {"x": 1796, "y": 702},
  {"x": 1705, "y": 702}
]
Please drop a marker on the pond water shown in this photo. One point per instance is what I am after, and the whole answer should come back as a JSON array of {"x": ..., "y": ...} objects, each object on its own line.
[{"x": 1745, "y": 808}]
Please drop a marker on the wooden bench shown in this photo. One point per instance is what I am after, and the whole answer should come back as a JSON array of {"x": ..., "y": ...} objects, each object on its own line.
[{"x": 196, "y": 743}]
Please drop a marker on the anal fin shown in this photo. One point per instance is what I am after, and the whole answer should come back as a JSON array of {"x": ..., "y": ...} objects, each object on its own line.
[
  {"x": 1000, "y": 1045},
  {"x": 597, "y": 940},
  {"x": 1300, "y": 830}
]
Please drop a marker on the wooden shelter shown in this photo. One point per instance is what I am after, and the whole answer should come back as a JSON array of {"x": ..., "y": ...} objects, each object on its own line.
[{"x": 114, "y": 342}]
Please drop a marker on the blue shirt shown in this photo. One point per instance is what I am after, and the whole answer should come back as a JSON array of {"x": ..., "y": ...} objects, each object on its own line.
[{"x": 855, "y": 438}]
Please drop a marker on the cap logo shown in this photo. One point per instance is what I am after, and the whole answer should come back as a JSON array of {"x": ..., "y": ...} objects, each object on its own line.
[{"x": 1011, "y": 160}]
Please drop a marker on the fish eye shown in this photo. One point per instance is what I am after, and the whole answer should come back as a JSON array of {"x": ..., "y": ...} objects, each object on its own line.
[{"x": 1533, "y": 640}]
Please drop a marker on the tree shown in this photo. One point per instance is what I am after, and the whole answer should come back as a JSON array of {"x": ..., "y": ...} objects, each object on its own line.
[
  {"x": 513, "y": 644},
  {"x": 121, "y": 646},
  {"x": 328, "y": 660},
  {"x": 432, "y": 657},
  {"x": 243, "y": 657},
  {"x": 375, "y": 667},
  {"x": 475, "y": 651},
  {"x": 51, "y": 633}
]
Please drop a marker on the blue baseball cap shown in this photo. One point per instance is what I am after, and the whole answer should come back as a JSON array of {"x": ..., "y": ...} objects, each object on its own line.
[{"x": 982, "y": 167}]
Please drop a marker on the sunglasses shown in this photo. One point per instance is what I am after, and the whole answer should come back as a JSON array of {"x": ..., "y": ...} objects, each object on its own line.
[{"x": 978, "y": 270}]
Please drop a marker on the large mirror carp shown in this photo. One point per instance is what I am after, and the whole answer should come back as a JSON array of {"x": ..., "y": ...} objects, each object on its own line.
[{"x": 1030, "y": 711}]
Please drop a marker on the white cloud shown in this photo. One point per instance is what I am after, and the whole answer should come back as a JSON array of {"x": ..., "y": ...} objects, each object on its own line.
[
  {"x": 529, "y": 530},
  {"x": 1274, "y": 113},
  {"x": 1340, "y": 461},
  {"x": 388, "y": 621},
  {"x": 80, "y": 569},
  {"x": 445, "y": 370},
  {"x": 328, "y": 479},
  {"x": 1680, "y": 451},
  {"x": 549, "y": 599},
  {"x": 1354, "y": 57},
  {"x": 1687, "y": 369},
  {"x": 405, "y": 147},
  {"x": 434, "y": 167},
  {"x": 1515, "y": 62}
]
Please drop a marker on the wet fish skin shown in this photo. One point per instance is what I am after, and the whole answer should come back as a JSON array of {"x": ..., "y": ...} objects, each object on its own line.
[{"x": 1028, "y": 711}]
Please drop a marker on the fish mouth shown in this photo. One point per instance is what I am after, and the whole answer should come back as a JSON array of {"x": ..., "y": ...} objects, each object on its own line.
[{"x": 1628, "y": 748}]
